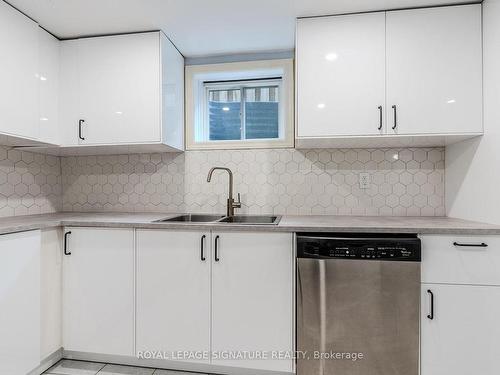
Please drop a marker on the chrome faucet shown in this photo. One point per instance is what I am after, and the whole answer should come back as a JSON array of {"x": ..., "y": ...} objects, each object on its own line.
[{"x": 231, "y": 204}]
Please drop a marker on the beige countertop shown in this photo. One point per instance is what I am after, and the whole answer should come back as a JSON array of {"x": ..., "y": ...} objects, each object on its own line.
[{"x": 314, "y": 223}]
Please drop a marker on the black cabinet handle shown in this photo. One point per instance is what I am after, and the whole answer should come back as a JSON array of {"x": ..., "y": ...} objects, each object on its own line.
[
  {"x": 216, "y": 252},
  {"x": 202, "y": 248},
  {"x": 395, "y": 117},
  {"x": 431, "y": 315},
  {"x": 80, "y": 123},
  {"x": 66, "y": 252},
  {"x": 482, "y": 244},
  {"x": 380, "y": 119}
]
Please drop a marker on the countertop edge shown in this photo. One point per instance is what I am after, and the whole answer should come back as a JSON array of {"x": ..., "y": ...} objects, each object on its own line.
[{"x": 287, "y": 228}]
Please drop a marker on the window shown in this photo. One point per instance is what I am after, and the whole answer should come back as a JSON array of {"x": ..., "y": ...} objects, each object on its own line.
[
  {"x": 239, "y": 108},
  {"x": 242, "y": 111}
]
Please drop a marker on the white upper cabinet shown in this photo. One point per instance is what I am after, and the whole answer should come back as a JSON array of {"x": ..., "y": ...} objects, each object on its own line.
[
  {"x": 48, "y": 71},
  {"x": 18, "y": 74},
  {"x": 68, "y": 92},
  {"x": 124, "y": 89},
  {"x": 120, "y": 88},
  {"x": 341, "y": 75},
  {"x": 172, "y": 90},
  {"x": 434, "y": 70},
  {"x": 396, "y": 78}
]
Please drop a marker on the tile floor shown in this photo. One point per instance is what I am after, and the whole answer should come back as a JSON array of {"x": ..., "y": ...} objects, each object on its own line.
[{"x": 70, "y": 367}]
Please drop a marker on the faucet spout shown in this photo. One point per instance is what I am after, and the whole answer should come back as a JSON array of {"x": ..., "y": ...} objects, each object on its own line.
[{"x": 231, "y": 204}]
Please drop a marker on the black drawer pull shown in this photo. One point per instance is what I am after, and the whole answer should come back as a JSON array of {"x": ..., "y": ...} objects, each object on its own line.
[
  {"x": 66, "y": 252},
  {"x": 381, "y": 121},
  {"x": 431, "y": 314},
  {"x": 202, "y": 245},
  {"x": 80, "y": 132},
  {"x": 482, "y": 244},
  {"x": 216, "y": 257},
  {"x": 395, "y": 117}
]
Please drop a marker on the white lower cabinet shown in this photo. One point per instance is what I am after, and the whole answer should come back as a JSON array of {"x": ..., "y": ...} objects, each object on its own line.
[
  {"x": 98, "y": 291},
  {"x": 200, "y": 297},
  {"x": 463, "y": 337},
  {"x": 173, "y": 292},
  {"x": 19, "y": 302},
  {"x": 461, "y": 293},
  {"x": 252, "y": 297},
  {"x": 222, "y": 293},
  {"x": 51, "y": 292}
]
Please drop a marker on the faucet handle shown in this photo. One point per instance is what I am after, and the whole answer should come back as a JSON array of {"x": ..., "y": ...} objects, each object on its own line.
[{"x": 238, "y": 202}]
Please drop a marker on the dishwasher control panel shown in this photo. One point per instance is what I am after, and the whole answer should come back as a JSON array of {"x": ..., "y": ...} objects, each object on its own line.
[{"x": 363, "y": 247}]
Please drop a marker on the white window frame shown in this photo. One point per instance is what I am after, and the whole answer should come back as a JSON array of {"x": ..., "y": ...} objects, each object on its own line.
[
  {"x": 242, "y": 85},
  {"x": 241, "y": 73}
]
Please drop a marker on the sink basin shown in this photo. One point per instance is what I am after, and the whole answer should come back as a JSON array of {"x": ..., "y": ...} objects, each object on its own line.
[
  {"x": 237, "y": 219},
  {"x": 251, "y": 219},
  {"x": 191, "y": 218}
]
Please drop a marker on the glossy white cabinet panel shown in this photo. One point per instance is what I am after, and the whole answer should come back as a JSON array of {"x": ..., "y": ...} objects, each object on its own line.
[
  {"x": 119, "y": 88},
  {"x": 173, "y": 291},
  {"x": 340, "y": 67},
  {"x": 69, "y": 97},
  {"x": 172, "y": 94},
  {"x": 18, "y": 74},
  {"x": 444, "y": 262},
  {"x": 434, "y": 70},
  {"x": 48, "y": 70},
  {"x": 252, "y": 297},
  {"x": 464, "y": 336},
  {"x": 98, "y": 291},
  {"x": 51, "y": 292},
  {"x": 19, "y": 302}
]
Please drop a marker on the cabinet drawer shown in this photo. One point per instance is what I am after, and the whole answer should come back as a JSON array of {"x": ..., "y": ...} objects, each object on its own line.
[{"x": 445, "y": 261}]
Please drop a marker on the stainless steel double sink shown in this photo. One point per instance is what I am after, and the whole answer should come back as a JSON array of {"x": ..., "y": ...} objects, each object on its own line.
[{"x": 237, "y": 219}]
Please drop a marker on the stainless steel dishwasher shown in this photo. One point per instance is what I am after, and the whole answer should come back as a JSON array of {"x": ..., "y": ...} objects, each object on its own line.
[{"x": 358, "y": 304}]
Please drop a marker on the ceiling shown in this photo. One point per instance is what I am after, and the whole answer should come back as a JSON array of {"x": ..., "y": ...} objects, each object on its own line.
[{"x": 199, "y": 27}]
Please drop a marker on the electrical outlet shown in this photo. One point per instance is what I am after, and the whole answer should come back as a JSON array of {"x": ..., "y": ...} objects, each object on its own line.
[{"x": 364, "y": 180}]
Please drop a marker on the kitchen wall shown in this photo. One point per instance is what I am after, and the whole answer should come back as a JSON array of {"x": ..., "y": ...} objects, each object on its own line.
[
  {"x": 472, "y": 167},
  {"x": 29, "y": 183},
  {"x": 404, "y": 182}
]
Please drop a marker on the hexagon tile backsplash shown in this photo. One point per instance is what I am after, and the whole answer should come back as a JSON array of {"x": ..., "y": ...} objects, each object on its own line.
[
  {"x": 403, "y": 182},
  {"x": 29, "y": 183}
]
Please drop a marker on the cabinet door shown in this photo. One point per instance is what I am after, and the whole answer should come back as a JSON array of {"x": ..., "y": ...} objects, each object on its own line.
[
  {"x": 172, "y": 65},
  {"x": 434, "y": 67},
  {"x": 173, "y": 291},
  {"x": 51, "y": 292},
  {"x": 119, "y": 87},
  {"x": 49, "y": 87},
  {"x": 464, "y": 336},
  {"x": 19, "y": 302},
  {"x": 98, "y": 291},
  {"x": 69, "y": 98},
  {"x": 19, "y": 73},
  {"x": 340, "y": 75},
  {"x": 252, "y": 297}
]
